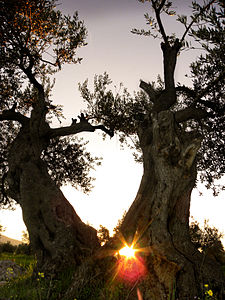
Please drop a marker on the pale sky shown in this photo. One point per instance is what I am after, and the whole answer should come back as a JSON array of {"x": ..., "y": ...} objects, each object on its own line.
[{"x": 127, "y": 58}]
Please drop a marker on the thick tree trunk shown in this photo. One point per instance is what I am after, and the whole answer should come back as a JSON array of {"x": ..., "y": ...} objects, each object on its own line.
[
  {"x": 57, "y": 234},
  {"x": 159, "y": 216}
]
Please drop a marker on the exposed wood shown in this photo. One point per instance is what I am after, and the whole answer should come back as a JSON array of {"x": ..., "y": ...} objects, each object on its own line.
[{"x": 159, "y": 215}]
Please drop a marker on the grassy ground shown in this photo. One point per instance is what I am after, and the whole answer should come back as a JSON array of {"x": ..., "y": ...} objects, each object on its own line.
[
  {"x": 26, "y": 287},
  {"x": 21, "y": 259}
]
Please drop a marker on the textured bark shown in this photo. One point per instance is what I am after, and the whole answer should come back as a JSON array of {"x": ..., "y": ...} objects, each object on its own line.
[
  {"x": 58, "y": 236},
  {"x": 160, "y": 213}
]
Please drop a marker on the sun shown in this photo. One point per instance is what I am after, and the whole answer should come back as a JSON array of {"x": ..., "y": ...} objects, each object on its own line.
[{"x": 127, "y": 251}]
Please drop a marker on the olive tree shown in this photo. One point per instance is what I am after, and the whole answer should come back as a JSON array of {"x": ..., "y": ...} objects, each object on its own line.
[
  {"x": 36, "y": 39},
  {"x": 178, "y": 132}
]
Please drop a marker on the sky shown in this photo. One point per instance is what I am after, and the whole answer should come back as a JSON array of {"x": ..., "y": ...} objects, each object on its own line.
[{"x": 126, "y": 58}]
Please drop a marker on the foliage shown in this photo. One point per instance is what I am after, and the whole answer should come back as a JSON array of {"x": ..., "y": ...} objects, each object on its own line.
[
  {"x": 28, "y": 287},
  {"x": 207, "y": 240},
  {"x": 2, "y": 229},
  {"x": 208, "y": 75},
  {"x": 200, "y": 105},
  {"x": 25, "y": 237},
  {"x": 22, "y": 259},
  {"x": 7, "y": 247},
  {"x": 19, "y": 249},
  {"x": 24, "y": 249},
  {"x": 72, "y": 163},
  {"x": 36, "y": 30},
  {"x": 36, "y": 39},
  {"x": 119, "y": 223},
  {"x": 103, "y": 235}
]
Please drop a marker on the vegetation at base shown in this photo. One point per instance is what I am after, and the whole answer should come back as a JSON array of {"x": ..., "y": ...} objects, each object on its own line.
[
  {"x": 28, "y": 287},
  {"x": 19, "y": 249},
  {"x": 98, "y": 284},
  {"x": 208, "y": 241},
  {"x": 23, "y": 260}
]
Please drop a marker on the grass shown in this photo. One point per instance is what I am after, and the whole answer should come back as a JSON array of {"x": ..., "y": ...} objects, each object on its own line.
[
  {"x": 23, "y": 260},
  {"x": 26, "y": 287}
]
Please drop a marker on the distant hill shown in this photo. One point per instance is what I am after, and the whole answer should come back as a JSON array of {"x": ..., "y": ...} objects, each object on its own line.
[{"x": 5, "y": 239}]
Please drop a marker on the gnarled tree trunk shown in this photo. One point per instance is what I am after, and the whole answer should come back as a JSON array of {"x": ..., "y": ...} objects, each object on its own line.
[
  {"x": 159, "y": 216},
  {"x": 58, "y": 236}
]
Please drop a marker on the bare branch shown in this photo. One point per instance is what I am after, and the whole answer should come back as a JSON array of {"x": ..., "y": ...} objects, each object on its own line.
[
  {"x": 82, "y": 126},
  {"x": 32, "y": 78},
  {"x": 190, "y": 113},
  {"x": 147, "y": 87},
  {"x": 13, "y": 116},
  {"x": 169, "y": 62},
  {"x": 48, "y": 62},
  {"x": 103, "y": 128},
  {"x": 158, "y": 18}
]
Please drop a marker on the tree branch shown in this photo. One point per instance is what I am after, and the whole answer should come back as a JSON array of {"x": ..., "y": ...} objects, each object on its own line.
[
  {"x": 32, "y": 78},
  {"x": 188, "y": 91},
  {"x": 195, "y": 18},
  {"x": 82, "y": 126},
  {"x": 213, "y": 106},
  {"x": 28, "y": 70},
  {"x": 190, "y": 113},
  {"x": 157, "y": 13},
  {"x": 48, "y": 62},
  {"x": 103, "y": 128},
  {"x": 14, "y": 116},
  {"x": 169, "y": 62},
  {"x": 147, "y": 87},
  {"x": 197, "y": 97}
]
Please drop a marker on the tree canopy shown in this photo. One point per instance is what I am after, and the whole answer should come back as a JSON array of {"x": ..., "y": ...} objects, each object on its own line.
[
  {"x": 36, "y": 39},
  {"x": 197, "y": 108}
]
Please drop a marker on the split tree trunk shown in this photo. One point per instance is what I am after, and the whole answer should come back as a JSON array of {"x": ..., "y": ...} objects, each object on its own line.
[
  {"x": 58, "y": 236},
  {"x": 159, "y": 216}
]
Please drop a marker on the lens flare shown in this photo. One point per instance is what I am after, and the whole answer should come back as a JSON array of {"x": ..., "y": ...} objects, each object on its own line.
[
  {"x": 130, "y": 266},
  {"x": 127, "y": 251}
]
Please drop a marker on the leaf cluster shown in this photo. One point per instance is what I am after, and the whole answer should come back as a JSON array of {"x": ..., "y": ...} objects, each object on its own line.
[
  {"x": 72, "y": 163},
  {"x": 116, "y": 109},
  {"x": 208, "y": 75},
  {"x": 36, "y": 39},
  {"x": 103, "y": 235},
  {"x": 154, "y": 23},
  {"x": 35, "y": 35},
  {"x": 207, "y": 239},
  {"x": 2, "y": 229}
]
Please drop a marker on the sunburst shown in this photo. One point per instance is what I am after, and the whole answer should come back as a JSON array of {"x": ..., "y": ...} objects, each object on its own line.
[{"x": 127, "y": 251}]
